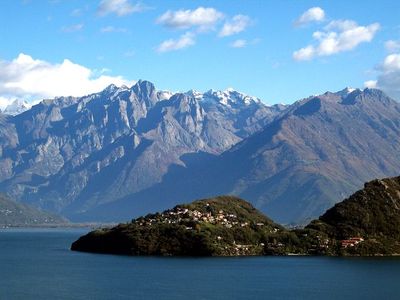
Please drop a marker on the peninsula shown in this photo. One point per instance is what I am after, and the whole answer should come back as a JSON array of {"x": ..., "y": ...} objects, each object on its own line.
[{"x": 367, "y": 224}]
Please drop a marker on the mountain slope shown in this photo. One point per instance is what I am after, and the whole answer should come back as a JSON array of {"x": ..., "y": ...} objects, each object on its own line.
[
  {"x": 128, "y": 151},
  {"x": 17, "y": 214},
  {"x": 323, "y": 149},
  {"x": 71, "y": 155},
  {"x": 319, "y": 150},
  {"x": 372, "y": 213}
]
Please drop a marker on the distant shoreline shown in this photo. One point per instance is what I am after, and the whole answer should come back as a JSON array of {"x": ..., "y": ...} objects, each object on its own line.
[{"x": 63, "y": 225}]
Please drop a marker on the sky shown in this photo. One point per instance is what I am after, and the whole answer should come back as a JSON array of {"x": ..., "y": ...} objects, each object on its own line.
[{"x": 279, "y": 51}]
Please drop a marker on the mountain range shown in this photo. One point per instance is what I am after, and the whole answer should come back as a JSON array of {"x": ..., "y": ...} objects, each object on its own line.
[{"x": 128, "y": 151}]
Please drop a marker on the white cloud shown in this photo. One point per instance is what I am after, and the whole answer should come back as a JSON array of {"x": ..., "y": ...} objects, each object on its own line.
[
  {"x": 239, "y": 44},
  {"x": 314, "y": 14},
  {"x": 305, "y": 53},
  {"x": 391, "y": 63},
  {"x": 238, "y": 24},
  {"x": 371, "y": 84},
  {"x": 186, "y": 40},
  {"x": 72, "y": 28},
  {"x": 392, "y": 46},
  {"x": 389, "y": 76},
  {"x": 108, "y": 29},
  {"x": 29, "y": 78},
  {"x": 203, "y": 17},
  {"x": 119, "y": 7},
  {"x": 337, "y": 36}
]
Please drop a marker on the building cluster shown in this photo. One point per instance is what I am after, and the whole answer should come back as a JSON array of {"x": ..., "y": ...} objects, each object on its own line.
[
  {"x": 351, "y": 242},
  {"x": 5, "y": 212},
  {"x": 181, "y": 215}
]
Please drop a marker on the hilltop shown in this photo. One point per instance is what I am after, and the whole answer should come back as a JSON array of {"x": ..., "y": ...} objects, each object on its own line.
[
  {"x": 367, "y": 223},
  {"x": 372, "y": 213},
  {"x": 221, "y": 226}
]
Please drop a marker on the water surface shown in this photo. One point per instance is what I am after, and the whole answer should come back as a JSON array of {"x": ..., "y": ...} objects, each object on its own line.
[{"x": 37, "y": 264}]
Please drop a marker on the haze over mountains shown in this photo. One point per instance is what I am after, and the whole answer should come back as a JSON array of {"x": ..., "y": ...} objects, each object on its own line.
[{"x": 127, "y": 151}]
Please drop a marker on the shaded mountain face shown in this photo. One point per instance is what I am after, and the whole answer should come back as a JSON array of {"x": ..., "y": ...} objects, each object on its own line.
[
  {"x": 321, "y": 149},
  {"x": 71, "y": 155}
]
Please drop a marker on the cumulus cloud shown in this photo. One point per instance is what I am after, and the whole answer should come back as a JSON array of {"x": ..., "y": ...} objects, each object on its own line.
[
  {"x": 202, "y": 17},
  {"x": 239, "y": 44},
  {"x": 392, "y": 46},
  {"x": 237, "y": 24},
  {"x": 389, "y": 76},
  {"x": 29, "y": 78},
  {"x": 337, "y": 36},
  {"x": 119, "y": 7},
  {"x": 186, "y": 40},
  {"x": 314, "y": 14}
]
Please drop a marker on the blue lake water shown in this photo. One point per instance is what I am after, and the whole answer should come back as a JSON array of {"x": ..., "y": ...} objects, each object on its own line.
[{"x": 37, "y": 264}]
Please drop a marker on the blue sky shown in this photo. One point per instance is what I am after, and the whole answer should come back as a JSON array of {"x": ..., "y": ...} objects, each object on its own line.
[{"x": 62, "y": 47}]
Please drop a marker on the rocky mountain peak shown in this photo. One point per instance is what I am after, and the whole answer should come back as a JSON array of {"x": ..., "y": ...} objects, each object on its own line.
[
  {"x": 16, "y": 107},
  {"x": 144, "y": 88},
  {"x": 346, "y": 91},
  {"x": 110, "y": 89}
]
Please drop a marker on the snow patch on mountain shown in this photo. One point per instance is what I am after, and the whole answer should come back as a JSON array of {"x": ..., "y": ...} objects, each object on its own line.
[
  {"x": 228, "y": 97},
  {"x": 17, "y": 107}
]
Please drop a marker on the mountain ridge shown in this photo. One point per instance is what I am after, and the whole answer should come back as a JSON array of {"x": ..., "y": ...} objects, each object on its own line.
[
  {"x": 118, "y": 149},
  {"x": 55, "y": 152},
  {"x": 320, "y": 148}
]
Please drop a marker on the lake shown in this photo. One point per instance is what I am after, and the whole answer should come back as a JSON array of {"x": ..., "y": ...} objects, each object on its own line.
[{"x": 37, "y": 264}]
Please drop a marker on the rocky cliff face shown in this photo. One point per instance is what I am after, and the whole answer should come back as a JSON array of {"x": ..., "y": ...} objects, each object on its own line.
[{"x": 72, "y": 154}]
